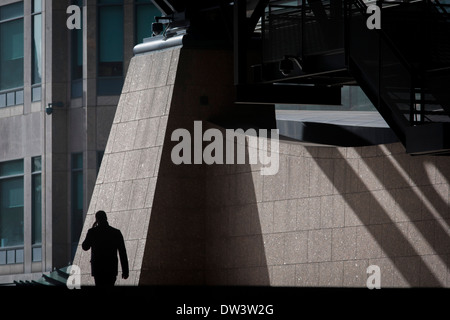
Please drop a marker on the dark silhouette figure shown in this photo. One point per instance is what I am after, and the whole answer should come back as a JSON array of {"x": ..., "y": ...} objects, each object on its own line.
[{"x": 104, "y": 242}]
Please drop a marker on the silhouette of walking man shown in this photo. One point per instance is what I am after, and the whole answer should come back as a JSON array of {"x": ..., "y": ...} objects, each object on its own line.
[{"x": 104, "y": 242}]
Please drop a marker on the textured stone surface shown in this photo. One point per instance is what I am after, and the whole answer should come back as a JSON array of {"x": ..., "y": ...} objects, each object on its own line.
[{"x": 126, "y": 183}]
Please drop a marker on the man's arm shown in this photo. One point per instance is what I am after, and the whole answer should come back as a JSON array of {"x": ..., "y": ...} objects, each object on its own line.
[
  {"x": 87, "y": 243},
  {"x": 123, "y": 256}
]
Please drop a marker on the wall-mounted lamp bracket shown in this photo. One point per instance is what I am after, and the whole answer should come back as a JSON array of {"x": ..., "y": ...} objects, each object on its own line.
[{"x": 49, "y": 108}]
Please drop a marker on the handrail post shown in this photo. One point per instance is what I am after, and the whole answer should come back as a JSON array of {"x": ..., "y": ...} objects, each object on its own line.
[
  {"x": 412, "y": 97},
  {"x": 346, "y": 31},
  {"x": 302, "y": 40}
]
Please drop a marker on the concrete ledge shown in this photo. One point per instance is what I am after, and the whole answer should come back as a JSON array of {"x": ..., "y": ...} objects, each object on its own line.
[{"x": 158, "y": 43}]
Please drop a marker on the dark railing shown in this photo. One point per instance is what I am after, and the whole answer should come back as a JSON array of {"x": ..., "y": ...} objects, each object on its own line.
[
  {"x": 384, "y": 66},
  {"x": 397, "y": 62},
  {"x": 442, "y": 8},
  {"x": 403, "y": 77},
  {"x": 302, "y": 30}
]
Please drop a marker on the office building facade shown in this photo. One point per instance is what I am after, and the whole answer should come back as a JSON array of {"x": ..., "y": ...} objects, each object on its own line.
[{"x": 59, "y": 91}]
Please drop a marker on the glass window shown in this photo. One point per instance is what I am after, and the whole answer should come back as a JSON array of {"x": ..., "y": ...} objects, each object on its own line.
[
  {"x": 11, "y": 168},
  {"x": 37, "y": 254},
  {"x": 37, "y": 49},
  {"x": 19, "y": 256},
  {"x": 36, "y": 93},
  {"x": 11, "y": 11},
  {"x": 36, "y": 200},
  {"x": 77, "y": 199},
  {"x": 146, "y": 12},
  {"x": 10, "y": 98},
  {"x": 11, "y": 49},
  {"x": 19, "y": 97},
  {"x": 37, "y": 6},
  {"x": 11, "y": 204},
  {"x": 77, "y": 54},
  {"x": 36, "y": 209},
  {"x": 36, "y": 164},
  {"x": 77, "y": 48},
  {"x": 110, "y": 41},
  {"x": 11, "y": 54},
  {"x": 10, "y": 256}
]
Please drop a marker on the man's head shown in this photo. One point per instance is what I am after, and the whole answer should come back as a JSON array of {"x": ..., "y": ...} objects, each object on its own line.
[{"x": 100, "y": 217}]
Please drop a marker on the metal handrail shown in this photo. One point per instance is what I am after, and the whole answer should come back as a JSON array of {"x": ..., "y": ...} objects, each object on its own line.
[
  {"x": 361, "y": 6},
  {"x": 442, "y": 7}
]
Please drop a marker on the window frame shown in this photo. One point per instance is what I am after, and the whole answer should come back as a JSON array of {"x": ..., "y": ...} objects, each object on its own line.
[
  {"x": 14, "y": 96},
  {"x": 36, "y": 87},
  {"x": 6, "y": 252},
  {"x": 36, "y": 246},
  {"x": 110, "y": 85}
]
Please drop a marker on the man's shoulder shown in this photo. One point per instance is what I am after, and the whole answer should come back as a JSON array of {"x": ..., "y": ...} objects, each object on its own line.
[
  {"x": 102, "y": 229},
  {"x": 114, "y": 230},
  {"x": 105, "y": 231}
]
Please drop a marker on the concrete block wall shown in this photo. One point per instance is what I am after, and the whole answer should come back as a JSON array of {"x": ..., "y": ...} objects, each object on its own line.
[{"x": 325, "y": 217}]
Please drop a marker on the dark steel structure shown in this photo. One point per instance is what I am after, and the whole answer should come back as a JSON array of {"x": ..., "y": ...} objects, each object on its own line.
[{"x": 304, "y": 52}]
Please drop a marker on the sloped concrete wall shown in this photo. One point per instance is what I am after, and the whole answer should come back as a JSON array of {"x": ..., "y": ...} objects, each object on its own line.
[
  {"x": 175, "y": 247},
  {"x": 325, "y": 217},
  {"x": 127, "y": 178},
  {"x": 138, "y": 182}
]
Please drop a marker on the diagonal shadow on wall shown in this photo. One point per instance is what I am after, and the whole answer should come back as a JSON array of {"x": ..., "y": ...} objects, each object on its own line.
[
  {"x": 398, "y": 244},
  {"x": 204, "y": 227},
  {"x": 409, "y": 201},
  {"x": 235, "y": 247},
  {"x": 441, "y": 165}
]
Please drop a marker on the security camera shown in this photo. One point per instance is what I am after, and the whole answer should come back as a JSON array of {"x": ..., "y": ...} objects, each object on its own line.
[
  {"x": 49, "y": 109},
  {"x": 157, "y": 28},
  {"x": 287, "y": 65}
]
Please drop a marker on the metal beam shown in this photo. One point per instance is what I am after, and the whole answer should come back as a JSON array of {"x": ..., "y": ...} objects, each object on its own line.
[
  {"x": 240, "y": 41},
  {"x": 257, "y": 14},
  {"x": 288, "y": 94},
  {"x": 163, "y": 7},
  {"x": 431, "y": 138},
  {"x": 177, "y": 5}
]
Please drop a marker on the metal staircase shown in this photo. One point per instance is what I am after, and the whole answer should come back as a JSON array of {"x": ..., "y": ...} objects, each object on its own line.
[
  {"x": 404, "y": 67},
  {"x": 311, "y": 48},
  {"x": 400, "y": 74}
]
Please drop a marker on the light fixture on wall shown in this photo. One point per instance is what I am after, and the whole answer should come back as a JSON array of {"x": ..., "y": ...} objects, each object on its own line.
[{"x": 49, "y": 108}]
